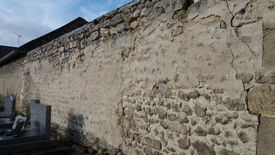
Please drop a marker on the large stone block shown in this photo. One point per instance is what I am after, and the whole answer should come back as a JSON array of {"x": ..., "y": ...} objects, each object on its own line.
[
  {"x": 261, "y": 99},
  {"x": 265, "y": 77},
  {"x": 266, "y": 136},
  {"x": 269, "y": 54}
]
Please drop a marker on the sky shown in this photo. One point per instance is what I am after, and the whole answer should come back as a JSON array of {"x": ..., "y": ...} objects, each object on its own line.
[{"x": 31, "y": 19}]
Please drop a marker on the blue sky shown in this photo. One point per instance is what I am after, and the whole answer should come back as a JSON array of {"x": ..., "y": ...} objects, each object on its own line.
[{"x": 33, "y": 18}]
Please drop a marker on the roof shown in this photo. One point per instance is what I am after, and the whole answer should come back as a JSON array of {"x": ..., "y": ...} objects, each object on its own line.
[
  {"x": 5, "y": 50},
  {"x": 15, "y": 53},
  {"x": 78, "y": 22}
]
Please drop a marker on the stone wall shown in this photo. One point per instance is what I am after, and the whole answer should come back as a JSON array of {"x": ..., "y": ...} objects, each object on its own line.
[
  {"x": 158, "y": 77},
  {"x": 11, "y": 78}
]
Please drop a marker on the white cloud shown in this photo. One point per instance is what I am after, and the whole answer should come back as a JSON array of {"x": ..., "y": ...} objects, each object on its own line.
[
  {"x": 95, "y": 9},
  {"x": 30, "y": 18}
]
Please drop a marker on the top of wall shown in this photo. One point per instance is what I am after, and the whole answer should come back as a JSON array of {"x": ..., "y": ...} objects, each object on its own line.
[
  {"x": 78, "y": 22},
  {"x": 126, "y": 18}
]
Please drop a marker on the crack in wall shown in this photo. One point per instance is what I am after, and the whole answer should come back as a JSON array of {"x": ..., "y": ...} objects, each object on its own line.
[
  {"x": 233, "y": 58},
  {"x": 250, "y": 50},
  {"x": 241, "y": 10},
  {"x": 236, "y": 28}
]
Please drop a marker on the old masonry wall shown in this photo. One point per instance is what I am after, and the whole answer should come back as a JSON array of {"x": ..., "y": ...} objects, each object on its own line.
[{"x": 159, "y": 77}]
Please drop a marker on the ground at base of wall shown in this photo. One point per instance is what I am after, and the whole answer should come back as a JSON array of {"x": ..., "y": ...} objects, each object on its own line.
[{"x": 63, "y": 149}]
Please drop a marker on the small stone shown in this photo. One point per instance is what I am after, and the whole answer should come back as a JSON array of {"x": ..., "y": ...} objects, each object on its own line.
[
  {"x": 170, "y": 136},
  {"x": 138, "y": 152},
  {"x": 145, "y": 11},
  {"x": 121, "y": 27},
  {"x": 245, "y": 77},
  {"x": 61, "y": 49},
  {"x": 217, "y": 99},
  {"x": 200, "y": 111},
  {"x": 172, "y": 117},
  {"x": 95, "y": 35},
  {"x": 227, "y": 152},
  {"x": 233, "y": 142},
  {"x": 235, "y": 104},
  {"x": 182, "y": 95},
  {"x": 244, "y": 126},
  {"x": 231, "y": 115},
  {"x": 200, "y": 131},
  {"x": 214, "y": 141},
  {"x": 171, "y": 149},
  {"x": 164, "y": 124},
  {"x": 116, "y": 19},
  {"x": 149, "y": 111},
  {"x": 153, "y": 121},
  {"x": 152, "y": 143},
  {"x": 243, "y": 137},
  {"x": 113, "y": 31},
  {"x": 218, "y": 91},
  {"x": 145, "y": 119},
  {"x": 223, "y": 24},
  {"x": 148, "y": 4},
  {"x": 161, "y": 135},
  {"x": 187, "y": 110},
  {"x": 137, "y": 138},
  {"x": 132, "y": 123},
  {"x": 156, "y": 132},
  {"x": 163, "y": 88},
  {"x": 184, "y": 120},
  {"x": 129, "y": 111},
  {"x": 206, "y": 96},
  {"x": 67, "y": 47},
  {"x": 203, "y": 149},
  {"x": 138, "y": 108},
  {"x": 175, "y": 107},
  {"x": 193, "y": 95},
  {"x": 136, "y": 13},
  {"x": 106, "y": 23},
  {"x": 104, "y": 31},
  {"x": 184, "y": 143},
  {"x": 186, "y": 97},
  {"x": 193, "y": 122},
  {"x": 148, "y": 151},
  {"x": 127, "y": 17},
  {"x": 227, "y": 134},
  {"x": 179, "y": 5},
  {"x": 125, "y": 122},
  {"x": 166, "y": 5},
  {"x": 168, "y": 106},
  {"x": 157, "y": 153},
  {"x": 213, "y": 131},
  {"x": 177, "y": 127},
  {"x": 223, "y": 120},
  {"x": 134, "y": 24},
  {"x": 248, "y": 86},
  {"x": 141, "y": 6},
  {"x": 162, "y": 113}
]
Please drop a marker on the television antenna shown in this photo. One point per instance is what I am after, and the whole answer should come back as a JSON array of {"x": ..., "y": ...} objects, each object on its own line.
[{"x": 19, "y": 37}]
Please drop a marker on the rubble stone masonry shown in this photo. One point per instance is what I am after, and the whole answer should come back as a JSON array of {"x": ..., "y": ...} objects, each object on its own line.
[{"x": 159, "y": 77}]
